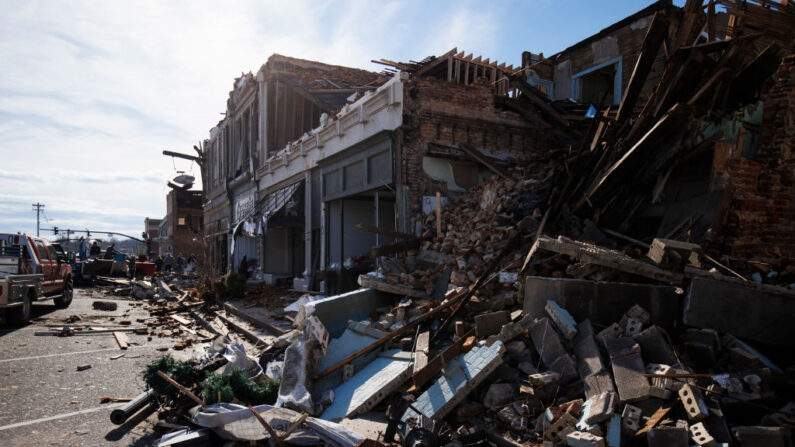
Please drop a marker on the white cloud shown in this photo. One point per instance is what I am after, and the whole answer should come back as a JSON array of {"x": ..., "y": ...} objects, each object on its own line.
[{"x": 92, "y": 92}]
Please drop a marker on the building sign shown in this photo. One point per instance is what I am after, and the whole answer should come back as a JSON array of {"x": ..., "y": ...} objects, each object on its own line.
[{"x": 244, "y": 207}]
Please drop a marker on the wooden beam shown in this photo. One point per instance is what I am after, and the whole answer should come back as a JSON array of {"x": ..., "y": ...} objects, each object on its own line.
[
  {"x": 395, "y": 289},
  {"x": 529, "y": 92},
  {"x": 482, "y": 159},
  {"x": 421, "y": 351},
  {"x": 438, "y": 214},
  {"x": 423, "y": 375},
  {"x": 121, "y": 339},
  {"x": 181, "y": 388},
  {"x": 268, "y": 428},
  {"x": 453, "y": 297},
  {"x": 656, "y": 34}
]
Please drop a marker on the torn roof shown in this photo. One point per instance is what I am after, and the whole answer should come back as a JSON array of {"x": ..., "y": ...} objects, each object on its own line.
[
  {"x": 317, "y": 75},
  {"x": 331, "y": 84}
]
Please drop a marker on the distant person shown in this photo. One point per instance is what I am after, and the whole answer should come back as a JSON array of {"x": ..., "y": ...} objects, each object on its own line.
[
  {"x": 142, "y": 258},
  {"x": 168, "y": 262},
  {"x": 111, "y": 251},
  {"x": 95, "y": 250},
  {"x": 180, "y": 264},
  {"x": 158, "y": 264},
  {"x": 82, "y": 248}
]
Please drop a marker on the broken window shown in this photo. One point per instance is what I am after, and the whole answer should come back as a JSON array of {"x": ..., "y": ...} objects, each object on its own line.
[{"x": 598, "y": 85}]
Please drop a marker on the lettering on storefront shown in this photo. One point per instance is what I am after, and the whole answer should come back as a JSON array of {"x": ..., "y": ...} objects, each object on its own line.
[{"x": 244, "y": 207}]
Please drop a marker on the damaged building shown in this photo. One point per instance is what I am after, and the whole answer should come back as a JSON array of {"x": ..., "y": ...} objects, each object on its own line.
[{"x": 594, "y": 248}]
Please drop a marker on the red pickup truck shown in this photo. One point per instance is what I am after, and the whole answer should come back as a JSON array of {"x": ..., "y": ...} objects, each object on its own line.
[{"x": 32, "y": 269}]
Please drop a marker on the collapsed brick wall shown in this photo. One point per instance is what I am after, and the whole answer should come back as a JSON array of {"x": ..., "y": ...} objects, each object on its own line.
[
  {"x": 440, "y": 115},
  {"x": 760, "y": 224}
]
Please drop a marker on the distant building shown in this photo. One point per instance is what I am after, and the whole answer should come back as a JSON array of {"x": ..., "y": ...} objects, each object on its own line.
[
  {"x": 181, "y": 229},
  {"x": 152, "y": 229}
]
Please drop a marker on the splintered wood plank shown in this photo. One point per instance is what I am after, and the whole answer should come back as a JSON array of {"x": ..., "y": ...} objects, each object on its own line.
[
  {"x": 181, "y": 320},
  {"x": 421, "y": 350},
  {"x": 122, "y": 340},
  {"x": 433, "y": 368}
]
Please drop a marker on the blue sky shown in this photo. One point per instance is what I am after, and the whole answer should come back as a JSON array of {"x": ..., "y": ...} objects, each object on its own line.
[{"x": 91, "y": 92}]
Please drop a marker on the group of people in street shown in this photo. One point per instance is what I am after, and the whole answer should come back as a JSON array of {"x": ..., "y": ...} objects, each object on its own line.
[{"x": 167, "y": 263}]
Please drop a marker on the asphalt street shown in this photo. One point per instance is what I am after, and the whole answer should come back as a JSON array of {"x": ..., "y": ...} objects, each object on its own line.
[{"x": 45, "y": 400}]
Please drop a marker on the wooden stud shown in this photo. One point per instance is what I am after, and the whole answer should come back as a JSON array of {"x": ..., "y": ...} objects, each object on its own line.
[
  {"x": 181, "y": 388},
  {"x": 438, "y": 214},
  {"x": 121, "y": 339}
]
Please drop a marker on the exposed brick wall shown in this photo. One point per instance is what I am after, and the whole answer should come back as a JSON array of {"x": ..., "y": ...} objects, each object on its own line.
[
  {"x": 439, "y": 115},
  {"x": 760, "y": 223}
]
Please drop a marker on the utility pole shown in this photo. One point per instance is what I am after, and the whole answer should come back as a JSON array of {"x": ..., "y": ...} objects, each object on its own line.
[{"x": 38, "y": 206}]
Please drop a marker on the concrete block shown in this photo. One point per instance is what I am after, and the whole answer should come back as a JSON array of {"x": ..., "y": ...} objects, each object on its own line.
[
  {"x": 632, "y": 327},
  {"x": 764, "y": 317},
  {"x": 601, "y": 408},
  {"x": 589, "y": 360},
  {"x": 584, "y": 439},
  {"x": 543, "y": 378},
  {"x": 550, "y": 347},
  {"x": 659, "y": 382},
  {"x": 656, "y": 346},
  {"x": 630, "y": 420},
  {"x": 602, "y": 301},
  {"x": 627, "y": 365},
  {"x": 491, "y": 323},
  {"x": 599, "y": 383},
  {"x": 459, "y": 378},
  {"x": 667, "y": 436},
  {"x": 561, "y": 427},
  {"x": 612, "y": 331},
  {"x": 694, "y": 404},
  {"x": 511, "y": 330},
  {"x": 562, "y": 319},
  {"x": 699, "y": 434}
]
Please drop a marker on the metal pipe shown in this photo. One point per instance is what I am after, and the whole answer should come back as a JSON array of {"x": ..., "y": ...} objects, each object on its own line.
[{"x": 120, "y": 415}]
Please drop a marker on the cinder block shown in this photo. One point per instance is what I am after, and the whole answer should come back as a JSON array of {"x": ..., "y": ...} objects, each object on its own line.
[
  {"x": 632, "y": 327},
  {"x": 630, "y": 420},
  {"x": 584, "y": 439},
  {"x": 563, "y": 425},
  {"x": 543, "y": 378},
  {"x": 598, "y": 383},
  {"x": 694, "y": 404},
  {"x": 628, "y": 368},
  {"x": 562, "y": 319},
  {"x": 612, "y": 331},
  {"x": 655, "y": 346},
  {"x": 699, "y": 434},
  {"x": 589, "y": 359},
  {"x": 550, "y": 347},
  {"x": 601, "y": 408}
]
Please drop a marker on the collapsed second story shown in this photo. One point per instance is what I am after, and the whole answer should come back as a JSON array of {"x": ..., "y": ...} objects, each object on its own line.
[{"x": 286, "y": 98}]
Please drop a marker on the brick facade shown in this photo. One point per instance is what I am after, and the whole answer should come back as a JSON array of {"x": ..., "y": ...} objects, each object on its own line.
[
  {"x": 440, "y": 115},
  {"x": 760, "y": 224}
]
